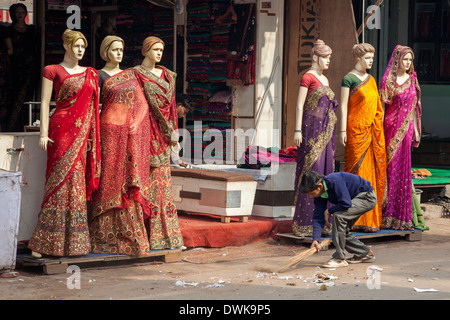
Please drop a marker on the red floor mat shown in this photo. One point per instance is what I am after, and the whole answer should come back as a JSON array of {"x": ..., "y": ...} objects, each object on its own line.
[{"x": 200, "y": 230}]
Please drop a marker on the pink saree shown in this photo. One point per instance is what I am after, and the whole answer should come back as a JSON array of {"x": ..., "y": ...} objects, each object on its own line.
[{"x": 402, "y": 114}]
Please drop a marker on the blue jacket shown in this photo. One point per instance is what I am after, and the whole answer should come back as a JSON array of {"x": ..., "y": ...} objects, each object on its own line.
[{"x": 342, "y": 187}]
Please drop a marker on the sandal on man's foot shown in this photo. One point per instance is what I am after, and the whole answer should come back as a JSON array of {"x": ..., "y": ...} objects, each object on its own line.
[
  {"x": 360, "y": 260},
  {"x": 335, "y": 263}
]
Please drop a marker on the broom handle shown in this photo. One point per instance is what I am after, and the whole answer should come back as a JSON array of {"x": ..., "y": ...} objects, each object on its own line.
[{"x": 325, "y": 242}]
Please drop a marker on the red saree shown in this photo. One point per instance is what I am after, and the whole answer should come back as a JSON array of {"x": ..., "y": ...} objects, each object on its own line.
[
  {"x": 122, "y": 199},
  {"x": 73, "y": 168},
  {"x": 163, "y": 226}
]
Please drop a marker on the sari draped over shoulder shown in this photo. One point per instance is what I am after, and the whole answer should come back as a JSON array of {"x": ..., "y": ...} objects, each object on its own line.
[
  {"x": 316, "y": 151},
  {"x": 365, "y": 153},
  {"x": 163, "y": 225},
  {"x": 160, "y": 95},
  {"x": 122, "y": 199},
  {"x": 402, "y": 115},
  {"x": 73, "y": 168}
]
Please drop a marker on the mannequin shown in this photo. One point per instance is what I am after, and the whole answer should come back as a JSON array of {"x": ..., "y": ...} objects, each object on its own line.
[
  {"x": 122, "y": 199},
  {"x": 400, "y": 94},
  {"x": 158, "y": 84},
  {"x": 361, "y": 131},
  {"x": 111, "y": 51},
  {"x": 72, "y": 56},
  {"x": 71, "y": 140},
  {"x": 314, "y": 132}
]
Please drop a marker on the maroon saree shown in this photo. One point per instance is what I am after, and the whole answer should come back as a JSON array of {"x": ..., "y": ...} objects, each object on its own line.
[
  {"x": 122, "y": 199},
  {"x": 163, "y": 226}
]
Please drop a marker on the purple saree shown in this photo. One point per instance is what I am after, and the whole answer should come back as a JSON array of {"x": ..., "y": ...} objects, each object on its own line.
[
  {"x": 402, "y": 116},
  {"x": 316, "y": 152}
]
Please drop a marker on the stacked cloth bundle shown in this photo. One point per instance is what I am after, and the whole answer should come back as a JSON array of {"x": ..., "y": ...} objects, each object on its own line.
[{"x": 207, "y": 42}]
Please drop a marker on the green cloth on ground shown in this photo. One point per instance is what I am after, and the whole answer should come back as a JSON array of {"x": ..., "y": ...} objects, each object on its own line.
[{"x": 417, "y": 214}]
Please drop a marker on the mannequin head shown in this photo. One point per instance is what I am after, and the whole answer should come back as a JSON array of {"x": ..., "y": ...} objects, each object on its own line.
[
  {"x": 363, "y": 53},
  {"x": 406, "y": 61},
  {"x": 18, "y": 12},
  {"x": 111, "y": 49},
  {"x": 74, "y": 43},
  {"x": 321, "y": 55},
  {"x": 152, "y": 49}
]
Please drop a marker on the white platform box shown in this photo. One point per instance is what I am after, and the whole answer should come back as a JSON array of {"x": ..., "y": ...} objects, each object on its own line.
[
  {"x": 275, "y": 194},
  {"x": 19, "y": 151},
  {"x": 10, "y": 197},
  {"x": 224, "y": 194}
]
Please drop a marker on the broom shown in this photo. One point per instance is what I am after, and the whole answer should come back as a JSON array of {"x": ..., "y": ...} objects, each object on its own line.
[{"x": 302, "y": 256}]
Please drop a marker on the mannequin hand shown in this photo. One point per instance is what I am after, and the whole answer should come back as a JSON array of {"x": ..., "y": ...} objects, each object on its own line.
[
  {"x": 298, "y": 139},
  {"x": 183, "y": 164},
  {"x": 416, "y": 135},
  {"x": 43, "y": 142},
  {"x": 343, "y": 138}
]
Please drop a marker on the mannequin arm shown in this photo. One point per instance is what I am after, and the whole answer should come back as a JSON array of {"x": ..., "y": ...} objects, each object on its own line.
[
  {"x": 342, "y": 115},
  {"x": 299, "y": 115},
  {"x": 46, "y": 95}
]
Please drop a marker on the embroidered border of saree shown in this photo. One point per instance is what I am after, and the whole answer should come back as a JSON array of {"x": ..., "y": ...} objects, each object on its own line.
[{"x": 318, "y": 143}]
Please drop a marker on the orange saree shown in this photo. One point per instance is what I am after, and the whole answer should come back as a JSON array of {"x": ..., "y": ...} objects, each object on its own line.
[{"x": 365, "y": 151}]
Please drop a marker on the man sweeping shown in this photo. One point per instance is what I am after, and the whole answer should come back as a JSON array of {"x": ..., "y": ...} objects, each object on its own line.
[{"x": 352, "y": 196}]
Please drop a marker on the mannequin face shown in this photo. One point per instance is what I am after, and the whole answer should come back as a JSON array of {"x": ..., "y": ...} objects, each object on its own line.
[
  {"x": 115, "y": 52},
  {"x": 324, "y": 62},
  {"x": 77, "y": 51},
  {"x": 155, "y": 53},
  {"x": 366, "y": 61},
  {"x": 406, "y": 62}
]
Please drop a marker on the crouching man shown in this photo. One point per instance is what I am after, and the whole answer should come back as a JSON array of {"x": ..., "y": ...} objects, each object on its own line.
[{"x": 352, "y": 196}]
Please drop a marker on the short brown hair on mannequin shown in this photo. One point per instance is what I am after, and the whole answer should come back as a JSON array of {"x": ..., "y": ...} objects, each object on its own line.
[
  {"x": 106, "y": 44},
  {"x": 361, "y": 49}
]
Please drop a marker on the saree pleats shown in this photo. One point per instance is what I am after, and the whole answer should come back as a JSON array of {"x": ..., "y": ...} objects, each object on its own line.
[
  {"x": 316, "y": 151},
  {"x": 365, "y": 153},
  {"x": 162, "y": 223},
  {"x": 122, "y": 200},
  {"x": 402, "y": 118},
  {"x": 73, "y": 169}
]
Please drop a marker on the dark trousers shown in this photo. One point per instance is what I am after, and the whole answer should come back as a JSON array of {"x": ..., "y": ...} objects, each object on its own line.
[{"x": 343, "y": 221}]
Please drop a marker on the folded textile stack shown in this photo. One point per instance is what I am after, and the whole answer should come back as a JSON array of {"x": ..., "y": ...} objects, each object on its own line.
[{"x": 206, "y": 71}]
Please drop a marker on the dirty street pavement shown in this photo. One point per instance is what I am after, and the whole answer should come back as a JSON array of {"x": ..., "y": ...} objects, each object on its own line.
[{"x": 402, "y": 270}]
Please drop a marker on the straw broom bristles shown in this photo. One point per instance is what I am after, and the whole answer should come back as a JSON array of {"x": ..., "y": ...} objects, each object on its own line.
[{"x": 302, "y": 256}]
